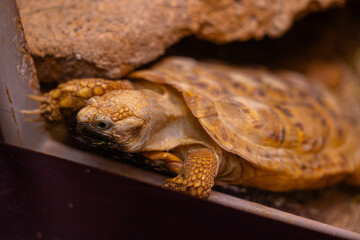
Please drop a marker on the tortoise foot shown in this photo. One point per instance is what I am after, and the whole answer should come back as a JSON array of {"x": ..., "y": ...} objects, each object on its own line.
[
  {"x": 197, "y": 175},
  {"x": 68, "y": 98}
]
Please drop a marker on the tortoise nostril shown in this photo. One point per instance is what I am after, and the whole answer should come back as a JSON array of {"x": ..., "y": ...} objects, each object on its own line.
[{"x": 103, "y": 124}]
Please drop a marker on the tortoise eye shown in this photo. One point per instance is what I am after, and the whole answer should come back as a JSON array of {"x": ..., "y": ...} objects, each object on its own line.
[{"x": 103, "y": 124}]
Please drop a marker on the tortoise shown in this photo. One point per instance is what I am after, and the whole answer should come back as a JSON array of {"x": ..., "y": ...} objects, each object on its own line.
[{"x": 214, "y": 123}]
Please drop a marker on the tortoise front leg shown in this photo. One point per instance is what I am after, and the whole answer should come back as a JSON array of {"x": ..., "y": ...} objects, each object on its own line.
[
  {"x": 197, "y": 174},
  {"x": 68, "y": 98}
]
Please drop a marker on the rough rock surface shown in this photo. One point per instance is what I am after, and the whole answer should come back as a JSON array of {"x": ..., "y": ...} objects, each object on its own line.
[{"x": 109, "y": 38}]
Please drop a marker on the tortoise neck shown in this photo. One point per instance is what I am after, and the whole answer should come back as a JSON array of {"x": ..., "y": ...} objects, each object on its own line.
[{"x": 173, "y": 124}]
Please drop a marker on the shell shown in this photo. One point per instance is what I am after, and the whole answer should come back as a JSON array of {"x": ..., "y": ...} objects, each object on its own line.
[{"x": 279, "y": 122}]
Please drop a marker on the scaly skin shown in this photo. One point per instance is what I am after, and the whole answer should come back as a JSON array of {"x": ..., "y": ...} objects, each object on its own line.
[
  {"x": 197, "y": 175},
  {"x": 68, "y": 98}
]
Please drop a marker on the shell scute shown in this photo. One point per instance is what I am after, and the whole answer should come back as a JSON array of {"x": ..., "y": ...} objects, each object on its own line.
[{"x": 275, "y": 121}]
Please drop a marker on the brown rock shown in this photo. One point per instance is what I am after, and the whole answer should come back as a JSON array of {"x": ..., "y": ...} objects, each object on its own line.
[
  {"x": 109, "y": 38},
  {"x": 229, "y": 20}
]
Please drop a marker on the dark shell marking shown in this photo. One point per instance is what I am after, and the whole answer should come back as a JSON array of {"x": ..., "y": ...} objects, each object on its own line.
[{"x": 256, "y": 114}]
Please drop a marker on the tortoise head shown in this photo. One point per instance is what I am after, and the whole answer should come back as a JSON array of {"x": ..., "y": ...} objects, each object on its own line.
[{"x": 124, "y": 119}]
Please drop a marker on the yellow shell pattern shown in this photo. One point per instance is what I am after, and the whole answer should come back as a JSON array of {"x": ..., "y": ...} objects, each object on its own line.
[{"x": 280, "y": 123}]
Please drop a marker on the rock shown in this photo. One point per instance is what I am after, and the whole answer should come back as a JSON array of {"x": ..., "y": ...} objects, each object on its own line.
[{"x": 109, "y": 38}]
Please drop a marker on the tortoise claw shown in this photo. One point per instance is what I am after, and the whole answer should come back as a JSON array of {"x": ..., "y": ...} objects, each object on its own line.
[
  {"x": 33, "y": 112},
  {"x": 38, "y": 98}
]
